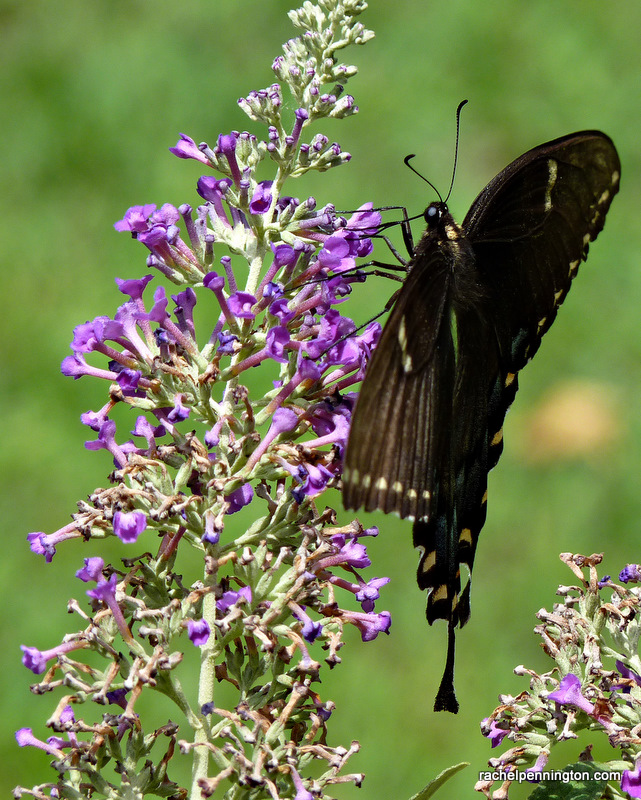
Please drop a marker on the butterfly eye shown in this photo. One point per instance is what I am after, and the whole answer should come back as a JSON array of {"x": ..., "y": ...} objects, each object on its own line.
[{"x": 432, "y": 215}]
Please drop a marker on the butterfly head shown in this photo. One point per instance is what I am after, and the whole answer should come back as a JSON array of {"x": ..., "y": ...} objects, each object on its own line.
[{"x": 434, "y": 214}]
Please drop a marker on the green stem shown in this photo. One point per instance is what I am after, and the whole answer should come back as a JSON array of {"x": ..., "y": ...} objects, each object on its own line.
[{"x": 205, "y": 692}]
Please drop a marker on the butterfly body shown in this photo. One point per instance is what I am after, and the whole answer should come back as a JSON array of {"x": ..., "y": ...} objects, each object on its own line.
[{"x": 478, "y": 297}]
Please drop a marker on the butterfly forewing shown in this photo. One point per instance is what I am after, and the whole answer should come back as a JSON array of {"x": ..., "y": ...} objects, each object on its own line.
[
  {"x": 530, "y": 228},
  {"x": 427, "y": 426}
]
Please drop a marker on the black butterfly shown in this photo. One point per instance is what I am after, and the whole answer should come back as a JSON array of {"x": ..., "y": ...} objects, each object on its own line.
[{"x": 427, "y": 426}]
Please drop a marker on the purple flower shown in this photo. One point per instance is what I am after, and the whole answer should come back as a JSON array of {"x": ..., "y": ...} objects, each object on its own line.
[
  {"x": 92, "y": 570},
  {"x": 369, "y": 625},
  {"x": 105, "y": 590},
  {"x": 118, "y": 697},
  {"x": 230, "y": 599},
  {"x": 211, "y": 535},
  {"x": 136, "y": 219},
  {"x": 311, "y": 629},
  {"x": 314, "y": 480},
  {"x": 128, "y": 527},
  {"x": 36, "y": 660},
  {"x": 301, "y": 791},
  {"x": 186, "y": 147},
  {"x": 45, "y": 544},
  {"x": 626, "y": 673},
  {"x": 494, "y": 733},
  {"x": 569, "y": 692},
  {"x": 630, "y": 574},
  {"x": 134, "y": 287},
  {"x": 241, "y": 304},
  {"x": 276, "y": 340},
  {"x": 240, "y": 498},
  {"x": 262, "y": 198},
  {"x": 198, "y": 631},
  {"x": 25, "y": 737},
  {"x": 631, "y": 780},
  {"x": 179, "y": 412},
  {"x": 368, "y": 593},
  {"x": 350, "y": 553}
]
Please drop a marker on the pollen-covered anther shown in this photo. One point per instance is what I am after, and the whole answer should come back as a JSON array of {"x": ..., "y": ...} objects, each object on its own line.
[
  {"x": 397, "y": 487},
  {"x": 381, "y": 483},
  {"x": 497, "y": 439},
  {"x": 509, "y": 379}
]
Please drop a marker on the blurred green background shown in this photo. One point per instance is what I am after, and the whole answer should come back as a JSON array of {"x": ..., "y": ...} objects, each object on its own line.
[{"x": 93, "y": 94}]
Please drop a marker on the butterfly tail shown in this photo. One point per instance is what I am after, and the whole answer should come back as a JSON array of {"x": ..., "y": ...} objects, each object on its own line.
[
  {"x": 446, "y": 698},
  {"x": 439, "y": 573}
]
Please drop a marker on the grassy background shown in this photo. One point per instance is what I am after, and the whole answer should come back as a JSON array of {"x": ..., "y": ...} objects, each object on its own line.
[{"x": 94, "y": 93}]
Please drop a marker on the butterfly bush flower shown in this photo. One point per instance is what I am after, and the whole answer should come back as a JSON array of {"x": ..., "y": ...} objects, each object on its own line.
[
  {"x": 594, "y": 691},
  {"x": 238, "y": 422}
]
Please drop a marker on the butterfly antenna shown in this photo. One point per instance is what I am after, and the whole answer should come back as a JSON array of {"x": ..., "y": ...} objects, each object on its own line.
[
  {"x": 406, "y": 161},
  {"x": 458, "y": 125}
]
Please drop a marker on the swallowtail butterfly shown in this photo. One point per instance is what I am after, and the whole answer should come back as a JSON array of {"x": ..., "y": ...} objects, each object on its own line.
[{"x": 477, "y": 299}]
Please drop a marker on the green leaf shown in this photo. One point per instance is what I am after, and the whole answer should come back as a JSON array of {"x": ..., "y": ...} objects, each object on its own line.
[
  {"x": 578, "y": 786},
  {"x": 439, "y": 780}
]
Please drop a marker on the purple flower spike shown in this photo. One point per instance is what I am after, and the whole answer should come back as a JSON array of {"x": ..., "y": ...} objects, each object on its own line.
[
  {"x": 569, "y": 692},
  {"x": 128, "y": 527},
  {"x": 631, "y": 780},
  {"x": 198, "y": 631}
]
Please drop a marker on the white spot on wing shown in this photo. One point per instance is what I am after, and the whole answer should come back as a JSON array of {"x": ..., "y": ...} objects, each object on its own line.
[{"x": 552, "y": 173}]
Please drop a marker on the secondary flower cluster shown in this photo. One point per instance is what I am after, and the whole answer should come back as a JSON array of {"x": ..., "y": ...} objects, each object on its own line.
[
  {"x": 597, "y": 621},
  {"x": 242, "y": 401}
]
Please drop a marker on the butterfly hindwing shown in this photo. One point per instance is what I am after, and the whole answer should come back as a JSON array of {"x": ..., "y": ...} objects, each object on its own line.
[{"x": 427, "y": 427}]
